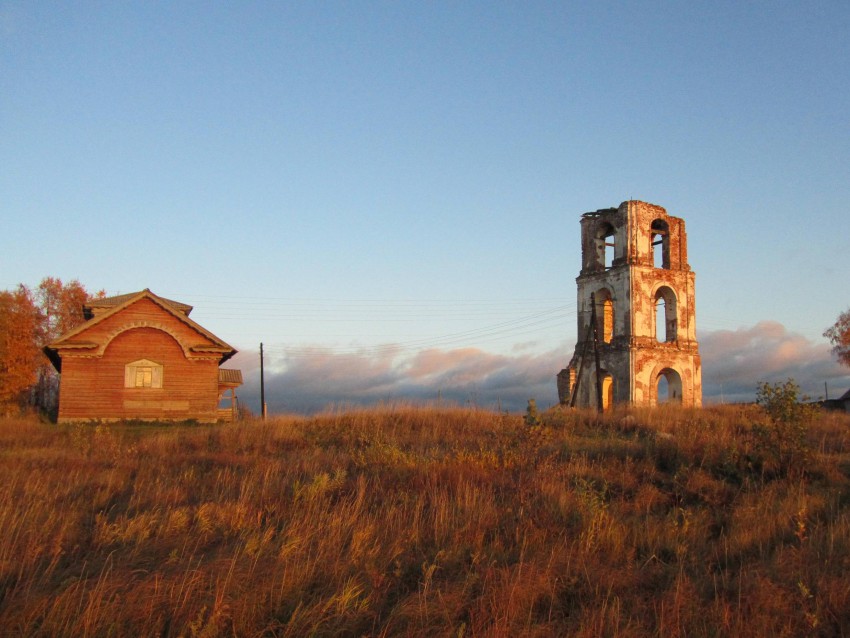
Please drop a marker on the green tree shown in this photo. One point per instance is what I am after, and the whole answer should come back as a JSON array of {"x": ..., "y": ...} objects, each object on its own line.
[{"x": 839, "y": 336}]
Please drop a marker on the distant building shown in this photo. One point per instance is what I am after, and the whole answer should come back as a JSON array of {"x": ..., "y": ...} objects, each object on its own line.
[
  {"x": 841, "y": 403},
  {"x": 140, "y": 356},
  {"x": 636, "y": 281}
]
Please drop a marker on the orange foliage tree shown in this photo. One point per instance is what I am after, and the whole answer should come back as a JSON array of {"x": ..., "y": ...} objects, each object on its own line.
[
  {"x": 61, "y": 309},
  {"x": 61, "y": 305},
  {"x": 28, "y": 321},
  {"x": 839, "y": 336},
  {"x": 20, "y": 337}
]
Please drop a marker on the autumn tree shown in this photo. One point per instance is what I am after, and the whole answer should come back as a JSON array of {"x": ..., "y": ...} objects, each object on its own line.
[
  {"x": 61, "y": 305},
  {"x": 61, "y": 309},
  {"x": 28, "y": 321},
  {"x": 839, "y": 336},
  {"x": 20, "y": 339}
]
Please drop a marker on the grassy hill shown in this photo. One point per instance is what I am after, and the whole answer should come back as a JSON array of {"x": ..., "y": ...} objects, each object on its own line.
[{"x": 406, "y": 521}]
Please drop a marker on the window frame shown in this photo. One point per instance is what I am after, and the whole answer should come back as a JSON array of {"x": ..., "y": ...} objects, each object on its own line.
[{"x": 134, "y": 369}]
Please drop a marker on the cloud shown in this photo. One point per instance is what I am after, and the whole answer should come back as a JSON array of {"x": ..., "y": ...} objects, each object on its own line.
[
  {"x": 734, "y": 361},
  {"x": 309, "y": 381},
  {"x": 306, "y": 380}
]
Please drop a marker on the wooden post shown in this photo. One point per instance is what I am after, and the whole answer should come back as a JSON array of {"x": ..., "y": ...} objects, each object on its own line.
[
  {"x": 574, "y": 390},
  {"x": 596, "y": 351},
  {"x": 262, "y": 385}
]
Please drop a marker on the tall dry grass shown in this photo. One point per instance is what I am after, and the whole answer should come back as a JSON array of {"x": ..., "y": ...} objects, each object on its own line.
[{"x": 413, "y": 521}]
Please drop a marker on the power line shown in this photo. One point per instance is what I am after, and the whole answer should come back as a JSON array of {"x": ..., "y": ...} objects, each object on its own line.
[
  {"x": 381, "y": 311},
  {"x": 518, "y": 327}
]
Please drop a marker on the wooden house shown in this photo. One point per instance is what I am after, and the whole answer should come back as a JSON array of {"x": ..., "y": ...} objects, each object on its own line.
[
  {"x": 842, "y": 403},
  {"x": 140, "y": 356}
]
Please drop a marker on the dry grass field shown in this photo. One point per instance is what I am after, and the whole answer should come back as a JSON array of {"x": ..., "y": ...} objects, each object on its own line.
[{"x": 427, "y": 522}]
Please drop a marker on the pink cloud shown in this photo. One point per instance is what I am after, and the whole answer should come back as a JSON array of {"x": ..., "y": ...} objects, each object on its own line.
[
  {"x": 734, "y": 361},
  {"x": 310, "y": 379}
]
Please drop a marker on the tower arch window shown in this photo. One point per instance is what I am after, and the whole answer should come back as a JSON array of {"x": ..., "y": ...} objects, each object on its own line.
[
  {"x": 607, "y": 391},
  {"x": 659, "y": 234},
  {"x": 605, "y": 314},
  {"x": 666, "y": 323},
  {"x": 605, "y": 245},
  {"x": 668, "y": 387},
  {"x": 143, "y": 373}
]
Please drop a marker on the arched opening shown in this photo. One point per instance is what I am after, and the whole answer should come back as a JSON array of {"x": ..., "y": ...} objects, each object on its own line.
[
  {"x": 607, "y": 391},
  {"x": 665, "y": 315},
  {"x": 660, "y": 238},
  {"x": 605, "y": 245},
  {"x": 605, "y": 314},
  {"x": 662, "y": 389},
  {"x": 660, "y": 320},
  {"x": 668, "y": 387}
]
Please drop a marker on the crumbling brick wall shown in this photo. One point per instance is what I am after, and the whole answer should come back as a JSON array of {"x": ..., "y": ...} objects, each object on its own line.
[{"x": 634, "y": 265}]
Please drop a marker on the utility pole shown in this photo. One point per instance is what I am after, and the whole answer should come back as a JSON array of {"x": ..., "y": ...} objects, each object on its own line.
[
  {"x": 596, "y": 351},
  {"x": 592, "y": 332},
  {"x": 262, "y": 385},
  {"x": 574, "y": 395}
]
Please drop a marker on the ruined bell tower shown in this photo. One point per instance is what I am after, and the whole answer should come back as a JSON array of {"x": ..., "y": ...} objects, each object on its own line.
[{"x": 635, "y": 268}]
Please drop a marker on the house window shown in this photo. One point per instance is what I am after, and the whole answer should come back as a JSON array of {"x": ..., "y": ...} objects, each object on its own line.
[{"x": 143, "y": 374}]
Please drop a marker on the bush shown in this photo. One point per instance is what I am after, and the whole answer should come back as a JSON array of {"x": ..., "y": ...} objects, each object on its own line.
[
  {"x": 532, "y": 416},
  {"x": 784, "y": 438}
]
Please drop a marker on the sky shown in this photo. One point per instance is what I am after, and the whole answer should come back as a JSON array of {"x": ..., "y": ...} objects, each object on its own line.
[{"x": 387, "y": 194}]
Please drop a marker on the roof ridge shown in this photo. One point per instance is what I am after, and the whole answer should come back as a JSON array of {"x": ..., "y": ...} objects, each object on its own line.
[
  {"x": 166, "y": 304},
  {"x": 117, "y": 300}
]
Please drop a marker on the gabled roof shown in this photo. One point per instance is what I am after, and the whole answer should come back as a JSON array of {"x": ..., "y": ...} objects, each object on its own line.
[
  {"x": 845, "y": 396},
  {"x": 94, "y": 306},
  {"x": 113, "y": 305}
]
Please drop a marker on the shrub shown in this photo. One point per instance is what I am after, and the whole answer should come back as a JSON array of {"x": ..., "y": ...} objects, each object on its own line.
[
  {"x": 784, "y": 438},
  {"x": 532, "y": 416}
]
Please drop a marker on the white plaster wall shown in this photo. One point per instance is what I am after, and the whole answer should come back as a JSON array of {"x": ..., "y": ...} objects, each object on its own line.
[{"x": 634, "y": 355}]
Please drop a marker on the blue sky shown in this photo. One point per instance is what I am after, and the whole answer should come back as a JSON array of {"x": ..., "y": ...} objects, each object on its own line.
[{"x": 364, "y": 186}]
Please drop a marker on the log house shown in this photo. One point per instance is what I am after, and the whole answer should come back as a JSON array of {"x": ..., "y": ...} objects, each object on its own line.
[{"x": 140, "y": 357}]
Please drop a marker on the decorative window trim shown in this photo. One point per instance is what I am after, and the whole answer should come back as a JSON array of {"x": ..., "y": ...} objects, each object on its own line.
[
  {"x": 143, "y": 374},
  {"x": 156, "y": 325}
]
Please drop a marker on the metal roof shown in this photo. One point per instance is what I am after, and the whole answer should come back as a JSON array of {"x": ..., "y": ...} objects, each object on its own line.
[{"x": 232, "y": 377}]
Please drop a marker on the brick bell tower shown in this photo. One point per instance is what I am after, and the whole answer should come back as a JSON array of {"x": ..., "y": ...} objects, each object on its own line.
[{"x": 635, "y": 268}]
